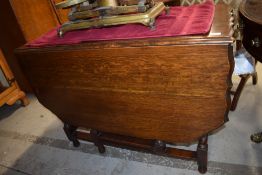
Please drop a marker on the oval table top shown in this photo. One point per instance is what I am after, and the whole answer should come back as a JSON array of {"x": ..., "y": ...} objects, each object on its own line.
[{"x": 252, "y": 9}]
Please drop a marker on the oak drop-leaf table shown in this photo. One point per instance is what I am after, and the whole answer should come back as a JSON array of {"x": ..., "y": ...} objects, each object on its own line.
[{"x": 139, "y": 94}]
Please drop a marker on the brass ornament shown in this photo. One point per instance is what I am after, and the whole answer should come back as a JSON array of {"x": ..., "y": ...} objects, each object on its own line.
[
  {"x": 87, "y": 14},
  {"x": 68, "y": 3}
]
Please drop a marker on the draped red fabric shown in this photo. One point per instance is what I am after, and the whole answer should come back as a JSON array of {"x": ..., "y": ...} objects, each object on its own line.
[{"x": 190, "y": 20}]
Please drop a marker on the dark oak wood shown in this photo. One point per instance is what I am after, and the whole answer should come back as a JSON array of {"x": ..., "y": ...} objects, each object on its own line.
[
  {"x": 117, "y": 84},
  {"x": 161, "y": 90},
  {"x": 159, "y": 146},
  {"x": 254, "y": 78},
  {"x": 202, "y": 149},
  {"x": 138, "y": 144},
  {"x": 150, "y": 146},
  {"x": 71, "y": 133},
  {"x": 95, "y": 135}
]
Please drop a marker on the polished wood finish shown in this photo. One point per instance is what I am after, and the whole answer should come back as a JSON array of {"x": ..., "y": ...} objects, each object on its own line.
[
  {"x": 13, "y": 93},
  {"x": 120, "y": 77},
  {"x": 35, "y": 17},
  {"x": 165, "y": 90}
]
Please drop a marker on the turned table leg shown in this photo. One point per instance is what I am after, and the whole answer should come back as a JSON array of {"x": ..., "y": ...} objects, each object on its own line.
[
  {"x": 95, "y": 137},
  {"x": 202, "y": 150},
  {"x": 71, "y": 134},
  {"x": 159, "y": 147},
  {"x": 237, "y": 93}
]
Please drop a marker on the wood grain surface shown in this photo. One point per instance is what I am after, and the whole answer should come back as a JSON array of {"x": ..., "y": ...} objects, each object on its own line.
[
  {"x": 174, "y": 89},
  {"x": 35, "y": 17}
]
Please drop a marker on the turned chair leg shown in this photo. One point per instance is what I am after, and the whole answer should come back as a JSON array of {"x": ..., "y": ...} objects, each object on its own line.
[
  {"x": 202, "y": 150},
  {"x": 254, "y": 78},
  {"x": 240, "y": 87},
  {"x": 70, "y": 132},
  {"x": 95, "y": 137},
  {"x": 18, "y": 95}
]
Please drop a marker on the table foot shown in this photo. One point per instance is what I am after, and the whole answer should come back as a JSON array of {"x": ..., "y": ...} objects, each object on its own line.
[
  {"x": 95, "y": 136},
  {"x": 159, "y": 146},
  {"x": 70, "y": 132}
]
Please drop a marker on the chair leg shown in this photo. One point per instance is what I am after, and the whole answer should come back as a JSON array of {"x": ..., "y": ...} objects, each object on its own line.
[
  {"x": 237, "y": 94},
  {"x": 24, "y": 101},
  {"x": 254, "y": 78},
  {"x": 18, "y": 95}
]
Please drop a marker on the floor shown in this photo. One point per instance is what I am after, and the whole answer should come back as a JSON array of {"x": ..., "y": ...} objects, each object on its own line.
[{"x": 32, "y": 142}]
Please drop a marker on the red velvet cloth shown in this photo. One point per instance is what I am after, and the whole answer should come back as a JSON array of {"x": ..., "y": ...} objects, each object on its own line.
[{"x": 191, "y": 20}]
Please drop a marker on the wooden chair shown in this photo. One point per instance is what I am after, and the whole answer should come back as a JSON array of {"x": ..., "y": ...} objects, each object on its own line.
[{"x": 10, "y": 92}]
